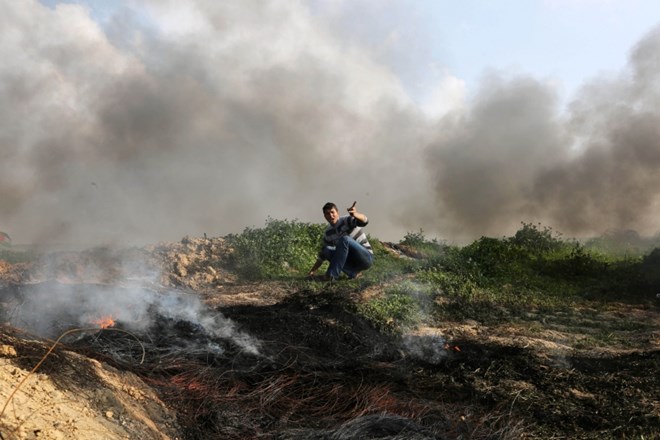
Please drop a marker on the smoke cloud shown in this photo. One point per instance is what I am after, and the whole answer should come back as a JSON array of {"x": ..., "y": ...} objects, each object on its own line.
[
  {"x": 513, "y": 156},
  {"x": 169, "y": 120}
]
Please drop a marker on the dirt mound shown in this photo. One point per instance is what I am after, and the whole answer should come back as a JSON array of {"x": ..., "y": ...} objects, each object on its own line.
[
  {"x": 197, "y": 264},
  {"x": 74, "y": 397}
]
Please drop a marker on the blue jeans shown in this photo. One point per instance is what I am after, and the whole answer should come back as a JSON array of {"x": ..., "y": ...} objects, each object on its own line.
[{"x": 348, "y": 256}]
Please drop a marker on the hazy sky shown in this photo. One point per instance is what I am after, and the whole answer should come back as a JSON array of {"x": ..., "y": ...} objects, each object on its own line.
[
  {"x": 566, "y": 42},
  {"x": 150, "y": 120}
]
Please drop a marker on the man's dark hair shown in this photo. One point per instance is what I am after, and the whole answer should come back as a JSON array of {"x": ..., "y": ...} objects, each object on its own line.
[{"x": 328, "y": 206}]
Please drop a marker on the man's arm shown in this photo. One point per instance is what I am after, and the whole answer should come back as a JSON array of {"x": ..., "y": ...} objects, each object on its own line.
[
  {"x": 361, "y": 218},
  {"x": 314, "y": 268}
]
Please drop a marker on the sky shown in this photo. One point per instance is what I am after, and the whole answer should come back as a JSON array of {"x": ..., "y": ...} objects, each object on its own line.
[{"x": 150, "y": 120}]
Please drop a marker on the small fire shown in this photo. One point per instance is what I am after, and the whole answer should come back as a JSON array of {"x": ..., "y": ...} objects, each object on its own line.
[
  {"x": 104, "y": 322},
  {"x": 452, "y": 347}
]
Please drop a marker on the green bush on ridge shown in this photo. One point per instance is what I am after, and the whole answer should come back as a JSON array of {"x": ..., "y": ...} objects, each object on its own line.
[
  {"x": 288, "y": 248},
  {"x": 280, "y": 249},
  {"x": 622, "y": 244},
  {"x": 535, "y": 258},
  {"x": 537, "y": 265},
  {"x": 417, "y": 242}
]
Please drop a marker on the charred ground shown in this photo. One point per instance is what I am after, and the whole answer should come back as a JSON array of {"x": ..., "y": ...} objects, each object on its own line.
[{"x": 439, "y": 343}]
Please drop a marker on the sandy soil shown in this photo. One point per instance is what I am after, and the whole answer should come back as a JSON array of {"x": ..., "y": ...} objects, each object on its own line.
[{"x": 74, "y": 397}]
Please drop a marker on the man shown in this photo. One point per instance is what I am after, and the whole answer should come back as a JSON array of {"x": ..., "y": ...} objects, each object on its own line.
[{"x": 345, "y": 245}]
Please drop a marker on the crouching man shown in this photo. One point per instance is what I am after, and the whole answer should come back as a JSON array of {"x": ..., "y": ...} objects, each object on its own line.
[{"x": 345, "y": 244}]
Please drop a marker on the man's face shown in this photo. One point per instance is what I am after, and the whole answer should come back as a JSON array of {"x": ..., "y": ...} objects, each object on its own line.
[{"x": 331, "y": 215}]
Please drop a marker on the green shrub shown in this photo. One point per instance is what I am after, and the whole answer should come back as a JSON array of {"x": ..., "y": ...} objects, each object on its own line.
[
  {"x": 624, "y": 243},
  {"x": 536, "y": 241},
  {"x": 490, "y": 254},
  {"x": 493, "y": 278},
  {"x": 579, "y": 263},
  {"x": 516, "y": 258},
  {"x": 414, "y": 238},
  {"x": 282, "y": 248},
  {"x": 449, "y": 283},
  {"x": 397, "y": 309},
  {"x": 418, "y": 242}
]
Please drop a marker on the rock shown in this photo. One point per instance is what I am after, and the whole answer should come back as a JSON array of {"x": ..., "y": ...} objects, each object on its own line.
[{"x": 7, "y": 351}]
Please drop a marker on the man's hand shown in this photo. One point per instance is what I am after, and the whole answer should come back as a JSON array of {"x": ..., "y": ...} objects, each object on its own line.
[
  {"x": 314, "y": 268},
  {"x": 352, "y": 210}
]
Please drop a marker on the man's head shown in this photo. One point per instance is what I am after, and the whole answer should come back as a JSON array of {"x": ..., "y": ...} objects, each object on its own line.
[{"x": 330, "y": 213}]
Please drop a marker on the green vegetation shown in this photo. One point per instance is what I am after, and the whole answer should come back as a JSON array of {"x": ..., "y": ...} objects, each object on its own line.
[
  {"x": 490, "y": 280},
  {"x": 386, "y": 265},
  {"x": 421, "y": 246},
  {"x": 286, "y": 249},
  {"x": 402, "y": 306},
  {"x": 281, "y": 249},
  {"x": 625, "y": 243}
]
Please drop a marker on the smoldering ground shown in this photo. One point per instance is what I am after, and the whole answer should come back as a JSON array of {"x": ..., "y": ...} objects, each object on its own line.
[
  {"x": 167, "y": 120},
  {"x": 49, "y": 309}
]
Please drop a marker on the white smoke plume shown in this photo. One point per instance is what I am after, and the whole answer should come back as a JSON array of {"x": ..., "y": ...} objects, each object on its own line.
[
  {"x": 182, "y": 118},
  {"x": 49, "y": 309}
]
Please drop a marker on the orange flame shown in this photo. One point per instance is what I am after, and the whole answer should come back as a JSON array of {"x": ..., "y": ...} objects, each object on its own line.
[
  {"x": 104, "y": 322},
  {"x": 452, "y": 347}
]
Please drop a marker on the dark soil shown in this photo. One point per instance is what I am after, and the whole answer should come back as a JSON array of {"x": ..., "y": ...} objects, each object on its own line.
[{"x": 323, "y": 371}]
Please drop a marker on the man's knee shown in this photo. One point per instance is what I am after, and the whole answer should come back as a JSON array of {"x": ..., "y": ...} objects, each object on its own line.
[
  {"x": 369, "y": 261},
  {"x": 346, "y": 239},
  {"x": 327, "y": 252}
]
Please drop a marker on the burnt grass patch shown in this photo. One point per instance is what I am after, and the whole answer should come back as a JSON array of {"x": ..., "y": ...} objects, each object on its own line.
[
  {"x": 324, "y": 372},
  {"x": 571, "y": 397}
]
